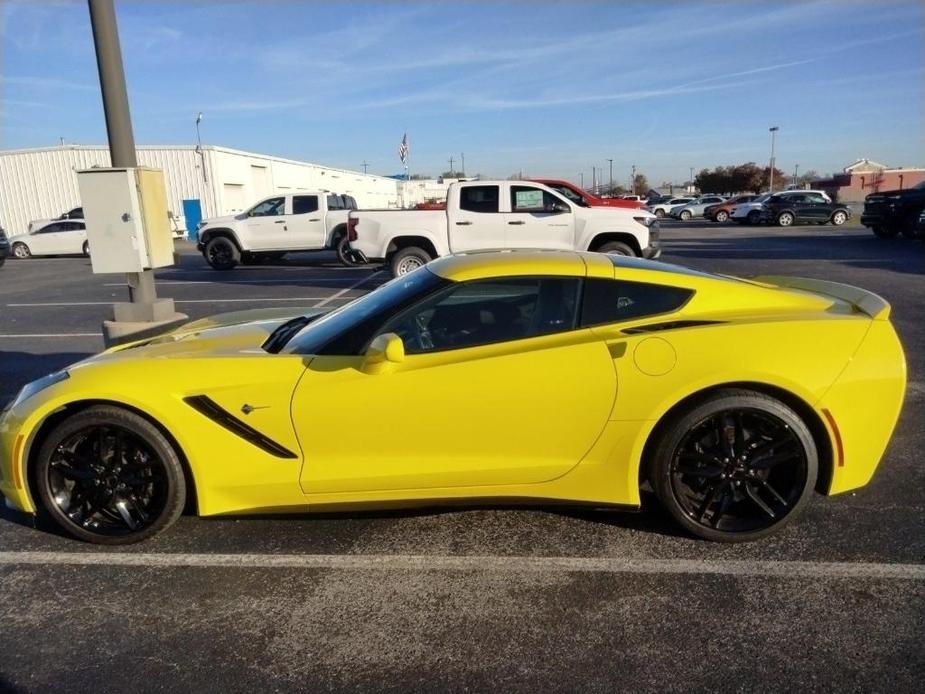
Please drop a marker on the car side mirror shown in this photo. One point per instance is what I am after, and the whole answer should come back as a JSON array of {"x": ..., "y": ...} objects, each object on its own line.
[
  {"x": 559, "y": 207},
  {"x": 384, "y": 351}
]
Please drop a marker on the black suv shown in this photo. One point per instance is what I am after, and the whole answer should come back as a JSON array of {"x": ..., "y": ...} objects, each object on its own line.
[
  {"x": 4, "y": 247},
  {"x": 894, "y": 211},
  {"x": 807, "y": 207}
]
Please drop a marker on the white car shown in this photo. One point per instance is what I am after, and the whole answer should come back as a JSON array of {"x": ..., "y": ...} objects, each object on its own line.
[
  {"x": 76, "y": 213},
  {"x": 750, "y": 212},
  {"x": 660, "y": 209},
  {"x": 59, "y": 237},
  {"x": 695, "y": 207},
  {"x": 483, "y": 215}
]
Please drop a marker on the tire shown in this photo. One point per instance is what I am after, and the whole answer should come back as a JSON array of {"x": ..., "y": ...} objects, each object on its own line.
[
  {"x": 616, "y": 248},
  {"x": 743, "y": 496},
  {"x": 21, "y": 251},
  {"x": 108, "y": 476},
  {"x": 839, "y": 217},
  {"x": 85, "y": 249},
  {"x": 753, "y": 217},
  {"x": 721, "y": 216},
  {"x": 785, "y": 219},
  {"x": 659, "y": 212},
  {"x": 342, "y": 248},
  {"x": 222, "y": 253},
  {"x": 885, "y": 232},
  {"x": 2, "y": 260},
  {"x": 407, "y": 260},
  {"x": 685, "y": 215}
]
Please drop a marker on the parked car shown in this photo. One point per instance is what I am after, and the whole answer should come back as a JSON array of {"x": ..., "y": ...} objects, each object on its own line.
[
  {"x": 695, "y": 207},
  {"x": 52, "y": 238},
  {"x": 565, "y": 376},
  {"x": 279, "y": 224},
  {"x": 583, "y": 197},
  {"x": 802, "y": 207},
  {"x": 894, "y": 211},
  {"x": 4, "y": 247},
  {"x": 76, "y": 213},
  {"x": 494, "y": 215},
  {"x": 750, "y": 212},
  {"x": 660, "y": 209},
  {"x": 721, "y": 212}
]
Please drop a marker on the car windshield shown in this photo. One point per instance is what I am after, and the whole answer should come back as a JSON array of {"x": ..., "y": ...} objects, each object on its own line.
[
  {"x": 344, "y": 330},
  {"x": 569, "y": 194}
]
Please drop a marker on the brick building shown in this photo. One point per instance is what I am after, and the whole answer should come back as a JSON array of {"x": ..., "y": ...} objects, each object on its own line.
[{"x": 864, "y": 177}]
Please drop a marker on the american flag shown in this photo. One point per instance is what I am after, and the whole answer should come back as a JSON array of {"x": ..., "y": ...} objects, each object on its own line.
[{"x": 403, "y": 149}]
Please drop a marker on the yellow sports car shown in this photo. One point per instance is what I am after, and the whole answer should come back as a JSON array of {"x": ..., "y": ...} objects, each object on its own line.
[{"x": 492, "y": 376}]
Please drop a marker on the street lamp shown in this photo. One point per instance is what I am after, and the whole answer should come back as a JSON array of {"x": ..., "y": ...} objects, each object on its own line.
[
  {"x": 773, "y": 130},
  {"x": 610, "y": 161},
  {"x": 690, "y": 180},
  {"x": 202, "y": 155}
]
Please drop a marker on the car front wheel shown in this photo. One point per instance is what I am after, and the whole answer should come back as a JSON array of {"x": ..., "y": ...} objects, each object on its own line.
[
  {"x": 85, "y": 249},
  {"x": 785, "y": 219},
  {"x": 21, "y": 251},
  {"x": 754, "y": 217},
  {"x": 737, "y": 466},
  {"x": 839, "y": 218},
  {"x": 659, "y": 213},
  {"x": 222, "y": 253},
  {"x": 108, "y": 476},
  {"x": 686, "y": 215},
  {"x": 721, "y": 216}
]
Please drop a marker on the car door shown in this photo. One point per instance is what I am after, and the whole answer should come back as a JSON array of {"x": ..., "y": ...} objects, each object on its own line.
[
  {"x": 73, "y": 237},
  {"x": 266, "y": 224},
  {"x": 498, "y": 386},
  {"x": 818, "y": 209},
  {"x": 476, "y": 221},
  {"x": 305, "y": 223},
  {"x": 538, "y": 219},
  {"x": 49, "y": 240}
]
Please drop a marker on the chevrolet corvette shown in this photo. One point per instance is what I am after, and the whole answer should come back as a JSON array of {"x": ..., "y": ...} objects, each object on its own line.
[{"x": 485, "y": 377}]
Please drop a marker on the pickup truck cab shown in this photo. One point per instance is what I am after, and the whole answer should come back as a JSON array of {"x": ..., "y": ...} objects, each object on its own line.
[
  {"x": 484, "y": 215},
  {"x": 279, "y": 224},
  {"x": 582, "y": 197}
]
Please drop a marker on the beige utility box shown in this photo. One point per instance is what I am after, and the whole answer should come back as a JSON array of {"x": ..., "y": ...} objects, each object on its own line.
[{"x": 125, "y": 210}]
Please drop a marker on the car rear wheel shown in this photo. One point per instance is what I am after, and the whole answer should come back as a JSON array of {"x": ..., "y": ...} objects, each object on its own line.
[
  {"x": 721, "y": 216},
  {"x": 659, "y": 213},
  {"x": 685, "y": 215},
  {"x": 344, "y": 255},
  {"x": 616, "y": 248},
  {"x": 85, "y": 249},
  {"x": 839, "y": 218},
  {"x": 222, "y": 253},
  {"x": 734, "y": 467},
  {"x": 408, "y": 260},
  {"x": 21, "y": 251},
  {"x": 785, "y": 219},
  {"x": 108, "y": 476},
  {"x": 754, "y": 217}
]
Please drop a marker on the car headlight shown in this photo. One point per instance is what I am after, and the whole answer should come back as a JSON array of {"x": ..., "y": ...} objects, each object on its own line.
[{"x": 38, "y": 386}]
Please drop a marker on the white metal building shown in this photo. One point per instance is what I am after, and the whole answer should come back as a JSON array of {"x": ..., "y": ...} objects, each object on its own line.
[{"x": 41, "y": 183}]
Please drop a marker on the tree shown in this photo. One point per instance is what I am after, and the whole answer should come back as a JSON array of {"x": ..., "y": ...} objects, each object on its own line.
[
  {"x": 640, "y": 184},
  {"x": 452, "y": 174},
  {"x": 780, "y": 179},
  {"x": 420, "y": 177}
]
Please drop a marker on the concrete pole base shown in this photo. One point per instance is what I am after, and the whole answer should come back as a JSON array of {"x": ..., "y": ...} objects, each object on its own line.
[{"x": 116, "y": 332}]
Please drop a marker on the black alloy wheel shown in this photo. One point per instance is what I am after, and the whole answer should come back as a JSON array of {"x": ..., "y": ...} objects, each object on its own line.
[
  {"x": 108, "y": 476},
  {"x": 735, "y": 468},
  {"x": 222, "y": 253},
  {"x": 344, "y": 254}
]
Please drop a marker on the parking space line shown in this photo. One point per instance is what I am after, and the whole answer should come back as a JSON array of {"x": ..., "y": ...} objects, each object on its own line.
[
  {"x": 180, "y": 301},
  {"x": 338, "y": 295},
  {"x": 516, "y": 564}
]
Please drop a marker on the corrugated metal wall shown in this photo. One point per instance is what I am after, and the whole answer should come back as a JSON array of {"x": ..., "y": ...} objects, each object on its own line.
[{"x": 42, "y": 183}]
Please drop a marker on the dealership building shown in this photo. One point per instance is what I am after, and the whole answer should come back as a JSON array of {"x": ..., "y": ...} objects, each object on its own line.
[{"x": 42, "y": 183}]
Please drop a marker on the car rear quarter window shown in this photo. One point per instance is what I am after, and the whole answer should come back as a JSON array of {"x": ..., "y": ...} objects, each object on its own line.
[
  {"x": 612, "y": 301},
  {"x": 479, "y": 198},
  {"x": 335, "y": 202}
]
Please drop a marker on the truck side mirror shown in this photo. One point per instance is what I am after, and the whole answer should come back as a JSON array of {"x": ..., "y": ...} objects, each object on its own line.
[
  {"x": 384, "y": 351},
  {"x": 560, "y": 207}
]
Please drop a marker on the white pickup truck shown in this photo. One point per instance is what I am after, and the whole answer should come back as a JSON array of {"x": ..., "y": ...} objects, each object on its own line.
[
  {"x": 498, "y": 214},
  {"x": 301, "y": 221}
]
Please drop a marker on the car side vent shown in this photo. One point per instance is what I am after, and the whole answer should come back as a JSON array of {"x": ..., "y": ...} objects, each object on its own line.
[
  {"x": 670, "y": 325},
  {"x": 211, "y": 409}
]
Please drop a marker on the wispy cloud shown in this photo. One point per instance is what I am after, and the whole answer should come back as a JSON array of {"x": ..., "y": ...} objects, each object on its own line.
[{"x": 47, "y": 83}]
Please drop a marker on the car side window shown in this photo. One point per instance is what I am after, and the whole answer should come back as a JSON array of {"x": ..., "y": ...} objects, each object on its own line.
[
  {"x": 335, "y": 202},
  {"x": 611, "y": 301},
  {"x": 269, "y": 208},
  {"x": 570, "y": 194},
  {"x": 303, "y": 204},
  {"x": 529, "y": 199},
  {"x": 816, "y": 198},
  {"x": 479, "y": 198},
  {"x": 485, "y": 312},
  {"x": 51, "y": 228}
]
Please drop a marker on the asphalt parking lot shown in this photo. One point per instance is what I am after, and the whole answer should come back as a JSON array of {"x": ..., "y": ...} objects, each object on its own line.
[{"x": 501, "y": 599}]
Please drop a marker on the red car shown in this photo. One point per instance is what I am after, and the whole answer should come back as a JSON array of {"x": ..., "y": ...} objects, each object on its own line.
[{"x": 584, "y": 198}]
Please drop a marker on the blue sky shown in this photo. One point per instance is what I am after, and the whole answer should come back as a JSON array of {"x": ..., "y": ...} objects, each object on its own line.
[{"x": 546, "y": 88}]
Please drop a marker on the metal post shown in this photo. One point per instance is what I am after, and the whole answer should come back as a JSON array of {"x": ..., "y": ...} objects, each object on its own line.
[
  {"x": 633, "y": 180},
  {"x": 202, "y": 155},
  {"x": 451, "y": 167},
  {"x": 690, "y": 180},
  {"x": 773, "y": 130},
  {"x": 144, "y": 307},
  {"x": 581, "y": 177},
  {"x": 796, "y": 169},
  {"x": 610, "y": 161},
  {"x": 463, "y": 165},
  {"x": 593, "y": 179}
]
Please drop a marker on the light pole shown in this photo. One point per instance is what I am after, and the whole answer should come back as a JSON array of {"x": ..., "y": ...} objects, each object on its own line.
[
  {"x": 365, "y": 165},
  {"x": 796, "y": 170},
  {"x": 773, "y": 130},
  {"x": 451, "y": 167},
  {"x": 610, "y": 161},
  {"x": 633, "y": 180},
  {"x": 462, "y": 157},
  {"x": 202, "y": 155},
  {"x": 581, "y": 177},
  {"x": 690, "y": 180}
]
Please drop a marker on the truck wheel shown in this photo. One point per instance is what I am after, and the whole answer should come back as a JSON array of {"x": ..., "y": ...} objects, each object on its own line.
[
  {"x": 342, "y": 248},
  {"x": 884, "y": 232},
  {"x": 222, "y": 253},
  {"x": 408, "y": 259},
  {"x": 616, "y": 248}
]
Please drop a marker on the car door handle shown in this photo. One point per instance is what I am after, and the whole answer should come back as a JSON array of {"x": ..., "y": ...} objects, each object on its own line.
[
  {"x": 463, "y": 224},
  {"x": 282, "y": 221},
  {"x": 317, "y": 219},
  {"x": 516, "y": 222}
]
